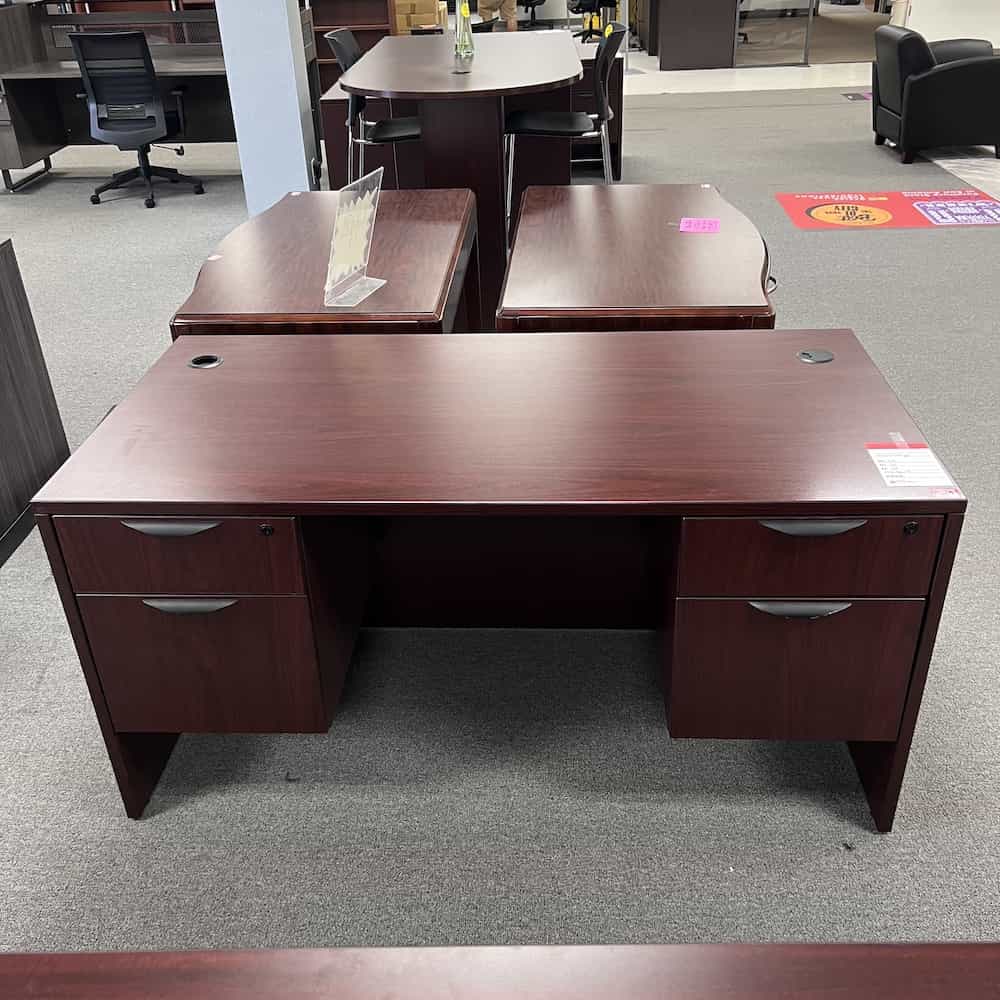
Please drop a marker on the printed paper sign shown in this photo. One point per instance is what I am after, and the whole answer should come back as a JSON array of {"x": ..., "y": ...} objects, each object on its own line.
[
  {"x": 908, "y": 464},
  {"x": 891, "y": 209},
  {"x": 347, "y": 281},
  {"x": 695, "y": 225}
]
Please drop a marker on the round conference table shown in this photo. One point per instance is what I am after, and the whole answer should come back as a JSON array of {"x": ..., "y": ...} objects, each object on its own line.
[{"x": 462, "y": 118}]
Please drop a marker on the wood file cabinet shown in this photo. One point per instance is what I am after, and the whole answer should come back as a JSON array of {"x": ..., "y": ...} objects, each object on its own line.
[
  {"x": 797, "y": 628},
  {"x": 207, "y": 624}
]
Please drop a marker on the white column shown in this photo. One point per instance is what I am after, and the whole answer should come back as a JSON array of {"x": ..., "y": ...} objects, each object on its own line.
[{"x": 269, "y": 90}]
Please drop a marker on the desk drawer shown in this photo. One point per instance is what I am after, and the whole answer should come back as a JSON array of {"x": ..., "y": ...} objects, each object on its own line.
[
  {"x": 206, "y": 664},
  {"x": 181, "y": 555},
  {"x": 791, "y": 670},
  {"x": 807, "y": 557}
]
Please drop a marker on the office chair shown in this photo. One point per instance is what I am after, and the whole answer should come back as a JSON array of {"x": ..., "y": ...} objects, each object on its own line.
[
  {"x": 531, "y": 9},
  {"x": 483, "y": 27},
  {"x": 589, "y": 7},
  {"x": 571, "y": 124},
  {"x": 362, "y": 133},
  {"x": 126, "y": 107}
]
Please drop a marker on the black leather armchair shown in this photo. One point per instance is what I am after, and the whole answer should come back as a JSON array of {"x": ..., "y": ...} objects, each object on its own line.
[{"x": 938, "y": 94}]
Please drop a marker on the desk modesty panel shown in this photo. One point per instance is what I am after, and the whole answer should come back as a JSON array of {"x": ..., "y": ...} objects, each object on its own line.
[
  {"x": 268, "y": 275},
  {"x": 221, "y": 536}
]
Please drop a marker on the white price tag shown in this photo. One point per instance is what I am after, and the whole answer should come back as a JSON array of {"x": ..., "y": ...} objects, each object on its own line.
[{"x": 908, "y": 465}]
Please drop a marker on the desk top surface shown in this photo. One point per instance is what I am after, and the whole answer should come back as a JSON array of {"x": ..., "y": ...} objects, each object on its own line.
[
  {"x": 67, "y": 69},
  {"x": 274, "y": 267},
  {"x": 636, "y": 972},
  {"x": 685, "y": 423},
  {"x": 592, "y": 250},
  {"x": 423, "y": 66}
]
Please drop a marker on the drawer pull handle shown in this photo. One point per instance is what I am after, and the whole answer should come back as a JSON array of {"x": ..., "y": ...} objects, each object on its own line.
[
  {"x": 805, "y": 528},
  {"x": 810, "y": 610},
  {"x": 171, "y": 529},
  {"x": 175, "y": 606}
]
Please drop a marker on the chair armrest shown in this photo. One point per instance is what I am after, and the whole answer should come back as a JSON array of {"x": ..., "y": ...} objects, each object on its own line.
[
  {"x": 951, "y": 100},
  {"x": 953, "y": 49}
]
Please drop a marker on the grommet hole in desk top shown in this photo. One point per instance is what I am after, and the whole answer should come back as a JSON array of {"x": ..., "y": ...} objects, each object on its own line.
[
  {"x": 815, "y": 357},
  {"x": 205, "y": 361}
]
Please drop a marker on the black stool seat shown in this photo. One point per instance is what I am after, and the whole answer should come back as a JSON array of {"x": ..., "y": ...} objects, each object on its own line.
[
  {"x": 554, "y": 123},
  {"x": 394, "y": 130}
]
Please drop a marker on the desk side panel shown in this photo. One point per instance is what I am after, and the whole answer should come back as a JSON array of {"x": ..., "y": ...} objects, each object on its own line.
[
  {"x": 881, "y": 766},
  {"x": 138, "y": 759}
]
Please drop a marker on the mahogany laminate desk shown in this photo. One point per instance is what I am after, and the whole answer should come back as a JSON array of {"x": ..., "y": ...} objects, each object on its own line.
[
  {"x": 222, "y": 534},
  {"x": 593, "y": 972},
  {"x": 612, "y": 257},
  {"x": 268, "y": 275},
  {"x": 462, "y": 116}
]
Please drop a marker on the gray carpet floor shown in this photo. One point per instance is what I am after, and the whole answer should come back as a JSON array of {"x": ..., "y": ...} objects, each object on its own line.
[{"x": 516, "y": 787}]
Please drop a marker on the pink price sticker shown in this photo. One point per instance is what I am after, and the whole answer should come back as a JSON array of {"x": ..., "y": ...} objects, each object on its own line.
[{"x": 692, "y": 225}]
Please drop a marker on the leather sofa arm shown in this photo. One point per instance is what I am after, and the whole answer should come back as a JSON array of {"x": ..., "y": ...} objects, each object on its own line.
[
  {"x": 952, "y": 49},
  {"x": 952, "y": 100}
]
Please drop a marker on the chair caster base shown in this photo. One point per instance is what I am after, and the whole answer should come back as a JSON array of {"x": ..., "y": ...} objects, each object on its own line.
[
  {"x": 198, "y": 189},
  {"x": 95, "y": 199},
  {"x": 150, "y": 203},
  {"x": 879, "y": 140}
]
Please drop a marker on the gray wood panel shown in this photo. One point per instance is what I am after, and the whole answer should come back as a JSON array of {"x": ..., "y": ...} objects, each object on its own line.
[
  {"x": 698, "y": 35},
  {"x": 20, "y": 38},
  {"x": 32, "y": 441}
]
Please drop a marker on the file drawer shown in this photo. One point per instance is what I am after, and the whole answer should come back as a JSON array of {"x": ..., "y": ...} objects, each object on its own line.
[
  {"x": 791, "y": 670},
  {"x": 181, "y": 555},
  {"x": 807, "y": 557},
  {"x": 206, "y": 664}
]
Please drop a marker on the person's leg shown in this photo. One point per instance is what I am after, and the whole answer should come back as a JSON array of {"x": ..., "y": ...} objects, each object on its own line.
[{"x": 509, "y": 11}]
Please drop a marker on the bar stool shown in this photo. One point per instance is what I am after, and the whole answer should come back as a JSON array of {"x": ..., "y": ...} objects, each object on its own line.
[
  {"x": 360, "y": 132},
  {"x": 571, "y": 124}
]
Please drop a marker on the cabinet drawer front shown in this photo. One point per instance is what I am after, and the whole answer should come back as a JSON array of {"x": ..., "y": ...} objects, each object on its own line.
[
  {"x": 206, "y": 665},
  {"x": 745, "y": 672},
  {"x": 181, "y": 555},
  {"x": 808, "y": 557}
]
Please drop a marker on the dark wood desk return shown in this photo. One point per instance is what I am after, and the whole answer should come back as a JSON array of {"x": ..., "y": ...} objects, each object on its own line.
[
  {"x": 268, "y": 275},
  {"x": 220, "y": 537},
  {"x": 615, "y": 258},
  {"x": 603, "y": 972},
  {"x": 462, "y": 116}
]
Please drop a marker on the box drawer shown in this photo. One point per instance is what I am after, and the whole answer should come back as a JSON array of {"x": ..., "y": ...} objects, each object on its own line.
[
  {"x": 791, "y": 670},
  {"x": 181, "y": 555},
  {"x": 224, "y": 665},
  {"x": 807, "y": 557}
]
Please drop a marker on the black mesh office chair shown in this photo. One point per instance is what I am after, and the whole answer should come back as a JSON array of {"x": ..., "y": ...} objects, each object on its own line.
[
  {"x": 363, "y": 133},
  {"x": 484, "y": 27},
  {"x": 590, "y": 8},
  {"x": 531, "y": 9},
  {"x": 126, "y": 107},
  {"x": 572, "y": 124}
]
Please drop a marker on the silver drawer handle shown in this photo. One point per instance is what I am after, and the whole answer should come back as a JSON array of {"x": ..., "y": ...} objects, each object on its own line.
[
  {"x": 810, "y": 610},
  {"x": 806, "y": 528},
  {"x": 171, "y": 529},
  {"x": 183, "y": 606}
]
